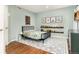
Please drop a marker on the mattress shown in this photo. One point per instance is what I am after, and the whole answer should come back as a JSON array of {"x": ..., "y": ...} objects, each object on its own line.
[{"x": 34, "y": 34}]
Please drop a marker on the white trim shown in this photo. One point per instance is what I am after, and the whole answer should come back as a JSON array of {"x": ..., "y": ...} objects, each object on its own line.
[{"x": 2, "y": 17}]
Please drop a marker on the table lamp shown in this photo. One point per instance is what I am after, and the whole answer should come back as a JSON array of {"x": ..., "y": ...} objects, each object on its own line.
[{"x": 76, "y": 17}]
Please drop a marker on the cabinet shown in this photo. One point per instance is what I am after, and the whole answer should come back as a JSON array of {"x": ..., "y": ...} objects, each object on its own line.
[{"x": 74, "y": 42}]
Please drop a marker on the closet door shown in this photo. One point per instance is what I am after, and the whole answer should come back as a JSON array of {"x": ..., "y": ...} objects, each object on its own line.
[{"x": 6, "y": 15}]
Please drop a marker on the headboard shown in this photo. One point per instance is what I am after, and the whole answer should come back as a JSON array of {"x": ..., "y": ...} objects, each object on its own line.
[{"x": 26, "y": 28}]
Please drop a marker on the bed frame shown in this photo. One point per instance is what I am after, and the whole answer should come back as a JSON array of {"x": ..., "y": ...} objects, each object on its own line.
[{"x": 26, "y": 28}]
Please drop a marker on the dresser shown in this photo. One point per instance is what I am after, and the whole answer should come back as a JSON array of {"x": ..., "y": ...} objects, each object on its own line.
[{"x": 74, "y": 41}]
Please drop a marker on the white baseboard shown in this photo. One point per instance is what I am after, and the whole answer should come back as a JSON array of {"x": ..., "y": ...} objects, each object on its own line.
[{"x": 11, "y": 41}]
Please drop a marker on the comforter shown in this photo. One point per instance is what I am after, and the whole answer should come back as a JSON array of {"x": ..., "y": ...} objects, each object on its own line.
[{"x": 34, "y": 34}]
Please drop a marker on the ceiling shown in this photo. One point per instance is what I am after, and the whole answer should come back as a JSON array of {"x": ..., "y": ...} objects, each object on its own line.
[{"x": 42, "y": 8}]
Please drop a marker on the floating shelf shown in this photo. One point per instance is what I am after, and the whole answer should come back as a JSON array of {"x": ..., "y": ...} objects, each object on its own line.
[
  {"x": 45, "y": 28},
  {"x": 50, "y": 27},
  {"x": 51, "y": 31}
]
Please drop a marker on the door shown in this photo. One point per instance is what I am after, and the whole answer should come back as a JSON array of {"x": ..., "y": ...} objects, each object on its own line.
[
  {"x": 6, "y": 14},
  {"x": 3, "y": 17}
]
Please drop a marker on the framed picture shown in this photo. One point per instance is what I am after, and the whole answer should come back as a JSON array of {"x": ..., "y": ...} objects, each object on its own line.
[
  {"x": 47, "y": 19},
  {"x": 53, "y": 19},
  {"x": 59, "y": 19},
  {"x": 27, "y": 20}
]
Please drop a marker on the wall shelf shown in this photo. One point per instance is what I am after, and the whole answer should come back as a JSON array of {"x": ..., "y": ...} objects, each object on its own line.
[{"x": 50, "y": 27}]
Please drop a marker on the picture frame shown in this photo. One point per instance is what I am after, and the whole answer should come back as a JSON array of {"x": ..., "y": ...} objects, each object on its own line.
[
  {"x": 27, "y": 20},
  {"x": 59, "y": 19},
  {"x": 47, "y": 19},
  {"x": 53, "y": 19}
]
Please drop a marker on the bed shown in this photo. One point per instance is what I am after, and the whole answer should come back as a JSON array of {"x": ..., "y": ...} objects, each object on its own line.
[{"x": 28, "y": 32}]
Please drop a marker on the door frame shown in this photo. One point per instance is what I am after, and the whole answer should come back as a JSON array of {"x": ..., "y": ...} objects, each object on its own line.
[{"x": 3, "y": 17}]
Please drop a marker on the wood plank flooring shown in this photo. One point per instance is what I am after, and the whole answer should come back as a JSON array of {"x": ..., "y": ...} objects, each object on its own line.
[{"x": 20, "y": 48}]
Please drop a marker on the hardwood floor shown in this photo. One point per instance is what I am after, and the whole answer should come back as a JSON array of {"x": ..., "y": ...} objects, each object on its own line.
[{"x": 20, "y": 48}]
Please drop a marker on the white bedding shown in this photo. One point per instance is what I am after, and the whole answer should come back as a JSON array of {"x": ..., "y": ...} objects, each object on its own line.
[{"x": 33, "y": 34}]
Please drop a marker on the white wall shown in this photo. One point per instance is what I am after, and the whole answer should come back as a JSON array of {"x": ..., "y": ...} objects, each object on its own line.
[
  {"x": 17, "y": 20},
  {"x": 67, "y": 13},
  {"x": 74, "y": 25}
]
